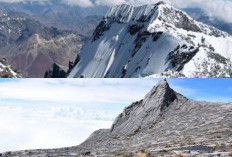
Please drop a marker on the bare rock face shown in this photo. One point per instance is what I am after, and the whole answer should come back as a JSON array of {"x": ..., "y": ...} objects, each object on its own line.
[
  {"x": 163, "y": 123},
  {"x": 55, "y": 72},
  {"x": 143, "y": 113}
]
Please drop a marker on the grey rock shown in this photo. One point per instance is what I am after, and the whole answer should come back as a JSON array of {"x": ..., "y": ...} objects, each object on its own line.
[
  {"x": 55, "y": 72},
  {"x": 163, "y": 123},
  {"x": 8, "y": 71},
  {"x": 145, "y": 112}
]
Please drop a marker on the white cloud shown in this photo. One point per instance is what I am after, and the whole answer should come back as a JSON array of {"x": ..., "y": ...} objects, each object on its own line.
[
  {"x": 16, "y": 1},
  {"x": 81, "y": 3},
  {"x": 51, "y": 113},
  {"x": 110, "y": 3},
  {"x": 82, "y": 91},
  {"x": 220, "y": 9},
  {"x": 34, "y": 128},
  {"x": 214, "y": 8},
  {"x": 76, "y": 91}
]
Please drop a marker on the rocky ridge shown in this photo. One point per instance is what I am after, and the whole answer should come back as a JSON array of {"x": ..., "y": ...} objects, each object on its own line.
[
  {"x": 81, "y": 20},
  {"x": 7, "y": 71},
  {"x": 152, "y": 39},
  {"x": 33, "y": 47},
  {"x": 164, "y": 123}
]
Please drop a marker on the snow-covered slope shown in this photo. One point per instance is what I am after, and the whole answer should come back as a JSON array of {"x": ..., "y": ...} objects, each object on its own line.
[
  {"x": 7, "y": 71},
  {"x": 151, "y": 40}
]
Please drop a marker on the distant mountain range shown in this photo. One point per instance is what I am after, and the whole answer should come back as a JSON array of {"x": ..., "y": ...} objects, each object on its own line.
[
  {"x": 60, "y": 15},
  {"x": 164, "y": 123},
  {"x": 84, "y": 20},
  {"x": 32, "y": 31},
  {"x": 33, "y": 47},
  {"x": 199, "y": 15},
  {"x": 154, "y": 41}
]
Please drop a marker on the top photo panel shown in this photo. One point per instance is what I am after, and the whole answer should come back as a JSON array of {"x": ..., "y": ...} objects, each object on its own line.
[{"x": 115, "y": 39}]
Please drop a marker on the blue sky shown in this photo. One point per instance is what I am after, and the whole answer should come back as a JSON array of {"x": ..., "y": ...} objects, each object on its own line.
[
  {"x": 215, "y": 90},
  {"x": 51, "y": 113}
]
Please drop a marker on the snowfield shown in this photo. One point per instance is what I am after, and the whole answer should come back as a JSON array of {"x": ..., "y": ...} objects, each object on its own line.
[{"x": 154, "y": 40}]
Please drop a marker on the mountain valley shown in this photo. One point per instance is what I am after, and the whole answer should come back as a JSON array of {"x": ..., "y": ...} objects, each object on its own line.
[{"x": 33, "y": 48}]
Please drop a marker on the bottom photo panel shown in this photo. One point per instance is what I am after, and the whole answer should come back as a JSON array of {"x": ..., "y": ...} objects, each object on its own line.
[{"x": 115, "y": 117}]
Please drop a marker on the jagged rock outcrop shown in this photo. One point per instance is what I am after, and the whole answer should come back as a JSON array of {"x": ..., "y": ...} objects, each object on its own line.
[
  {"x": 147, "y": 111},
  {"x": 163, "y": 123},
  {"x": 7, "y": 71},
  {"x": 58, "y": 72},
  {"x": 153, "y": 39},
  {"x": 55, "y": 72}
]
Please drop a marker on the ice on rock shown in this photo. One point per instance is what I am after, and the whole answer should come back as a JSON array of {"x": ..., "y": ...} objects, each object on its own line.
[{"x": 152, "y": 40}]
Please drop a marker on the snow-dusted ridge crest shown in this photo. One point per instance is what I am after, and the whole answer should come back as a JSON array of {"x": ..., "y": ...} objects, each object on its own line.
[
  {"x": 154, "y": 40},
  {"x": 8, "y": 71},
  {"x": 159, "y": 12}
]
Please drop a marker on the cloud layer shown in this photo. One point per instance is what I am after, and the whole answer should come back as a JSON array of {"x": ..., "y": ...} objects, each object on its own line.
[
  {"x": 36, "y": 114},
  {"x": 50, "y": 113},
  {"x": 46, "y": 126},
  {"x": 73, "y": 92}
]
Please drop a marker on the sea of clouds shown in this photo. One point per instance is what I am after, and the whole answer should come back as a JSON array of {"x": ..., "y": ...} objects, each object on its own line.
[{"x": 56, "y": 113}]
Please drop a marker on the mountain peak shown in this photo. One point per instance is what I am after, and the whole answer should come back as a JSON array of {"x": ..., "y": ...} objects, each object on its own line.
[
  {"x": 161, "y": 93},
  {"x": 126, "y": 13},
  {"x": 161, "y": 88},
  {"x": 142, "y": 114},
  {"x": 158, "y": 17},
  {"x": 163, "y": 84},
  {"x": 152, "y": 39},
  {"x": 185, "y": 127}
]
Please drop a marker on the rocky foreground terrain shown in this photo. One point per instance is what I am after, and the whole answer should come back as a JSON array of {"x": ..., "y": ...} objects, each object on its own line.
[
  {"x": 8, "y": 71},
  {"x": 164, "y": 123}
]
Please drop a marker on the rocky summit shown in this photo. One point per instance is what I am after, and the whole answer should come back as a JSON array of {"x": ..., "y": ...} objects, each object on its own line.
[
  {"x": 152, "y": 41},
  {"x": 164, "y": 123}
]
